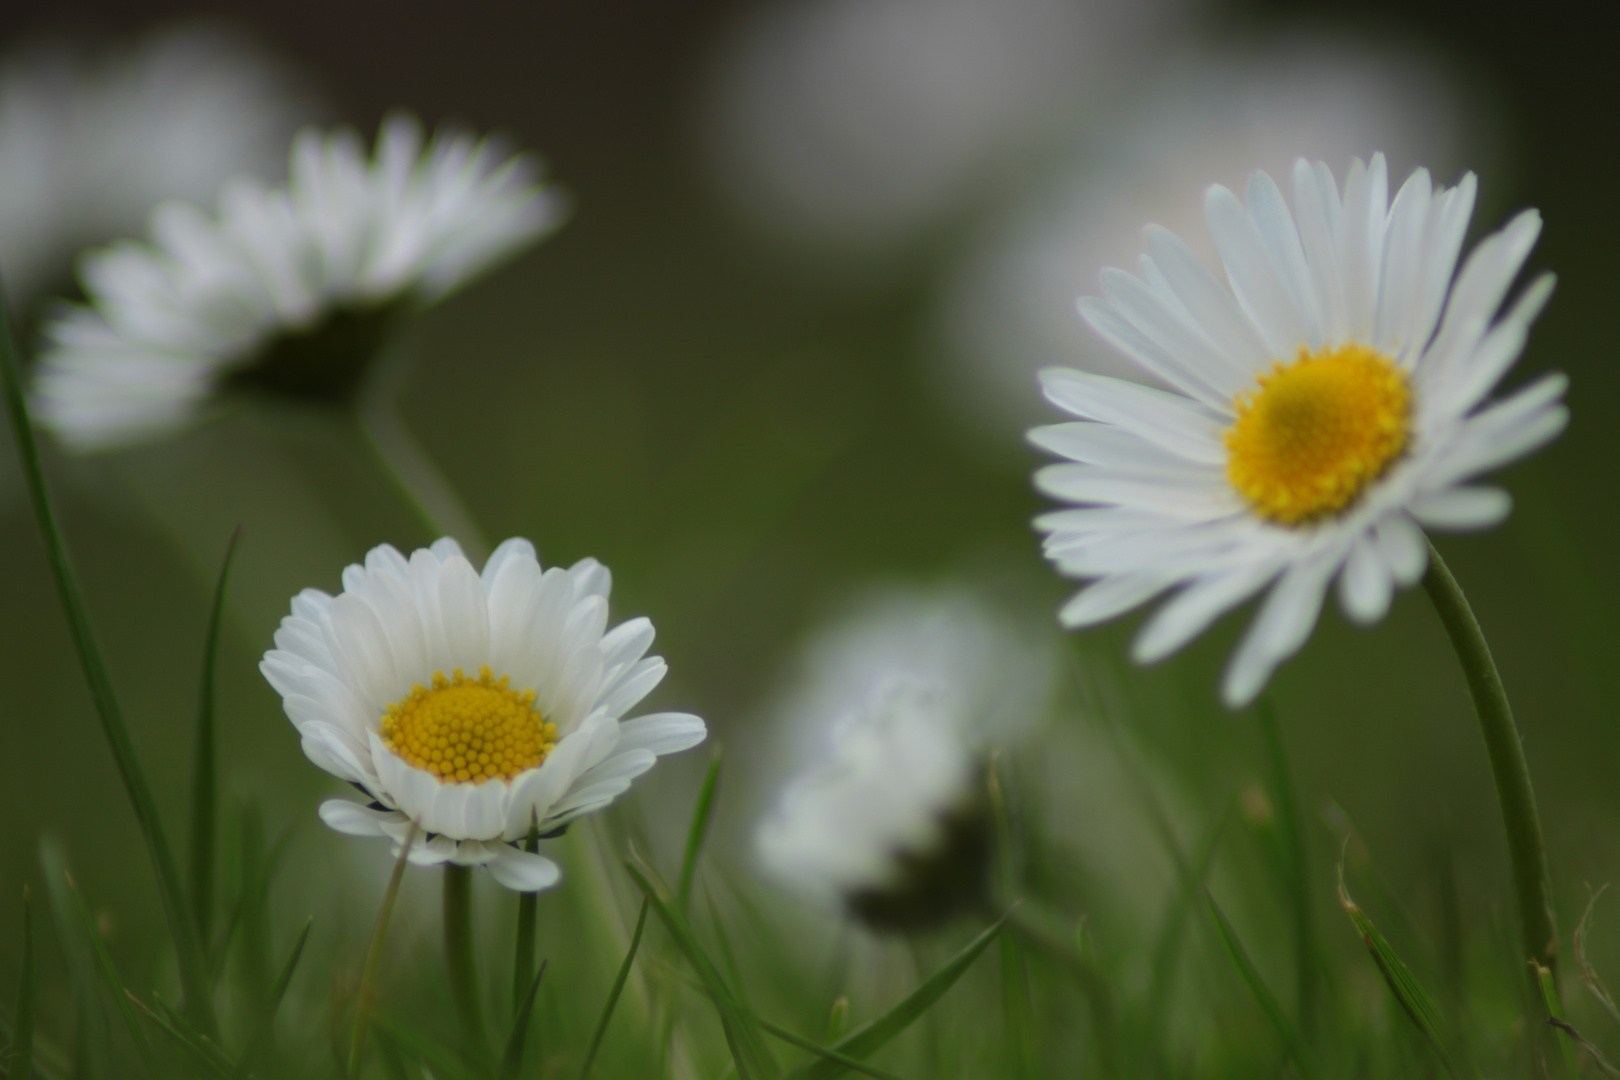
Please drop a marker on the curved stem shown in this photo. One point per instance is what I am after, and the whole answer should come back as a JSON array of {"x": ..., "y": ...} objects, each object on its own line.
[
  {"x": 419, "y": 482},
  {"x": 1526, "y": 850},
  {"x": 459, "y": 950}
]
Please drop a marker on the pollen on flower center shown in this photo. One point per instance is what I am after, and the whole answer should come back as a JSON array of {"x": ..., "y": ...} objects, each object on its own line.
[
  {"x": 1316, "y": 432},
  {"x": 466, "y": 731}
]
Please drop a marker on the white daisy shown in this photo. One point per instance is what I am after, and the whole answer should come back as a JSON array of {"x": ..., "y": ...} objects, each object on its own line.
[
  {"x": 907, "y": 694},
  {"x": 91, "y": 142},
  {"x": 288, "y": 289},
  {"x": 1216, "y": 116},
  {"x": 473, "y": 705},
  {"x": 1329, "y": 400}
]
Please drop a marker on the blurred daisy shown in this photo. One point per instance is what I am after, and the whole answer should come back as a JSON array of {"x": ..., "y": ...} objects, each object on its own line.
[
  {"x": 889, "y": 820},
  {"x": 1329, "y": 398},
  {"x": 854, "y": 126},
  {"x": 90, "y": 143},
  {"x": 476, "y": 706},
  {"x": 1009, "y": 309},
  {"x": 288, "y": 289}
]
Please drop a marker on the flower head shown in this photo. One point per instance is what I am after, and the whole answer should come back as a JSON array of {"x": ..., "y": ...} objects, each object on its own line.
[
  {"x": 1329, "y": 399},
  {"x": 288, "y": 289},
  {"x": 889, "y": 820},
  {"x": 478, "y": 706}
]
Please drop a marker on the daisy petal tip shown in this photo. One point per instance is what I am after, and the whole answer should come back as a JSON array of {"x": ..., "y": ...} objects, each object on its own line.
[{"x": 523, "y": 871}]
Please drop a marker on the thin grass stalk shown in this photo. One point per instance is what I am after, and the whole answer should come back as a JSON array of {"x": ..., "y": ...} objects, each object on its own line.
[
  {"x": 368, "y": 978},
  {"x": 187, "y": 946},
  {"x": 205, "y": 771},
  {"x": 460, "y": 951},
  {"x": 1527, "y": 851}
]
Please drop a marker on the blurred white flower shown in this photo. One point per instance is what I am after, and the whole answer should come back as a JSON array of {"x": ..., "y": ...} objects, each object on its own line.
[
  {"x": 1215, "y": 118},
  {"x": 90, "y": 143},
  {"x": 288, "y": 289},
  {"x": 900, "y": 701},
  {"x": 1330, "y": 396},
  {"x": 476, "y": 706},
  {"x": 852, "y": 126}
]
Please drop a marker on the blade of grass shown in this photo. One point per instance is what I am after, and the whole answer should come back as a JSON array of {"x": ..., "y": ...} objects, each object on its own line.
[
  {"x": 20, "y": 1057},
  {"x": 109, "y": 975},
  {"x": 1554, "y": 1004},
  {"x": 187, "y": 946},
  {"x": 267, "y": 1026},
  {"x": 528, "y": 914},
  {"x": 204, "y": 776},
  {"x": 843, "y": 1061},
  {"x": 1414, "y": 1001},
  {"x": 170, "y": 1024},
  {"x": 1039, "y": 930},
  {"x": 512, "y": 1064},
  {"x": 1296, "y": 869},
  {"x": 1286, "y": 1031},
  {"x": 368, "y": 978},
  {"x": 869, "y": 1039},
  {"x": 748, "y": 1050},
  {"x": 92, "y": 1039},
  {"x": 439, "y": 1060},
  {"x": 696, "y": 832},
  {"x": 616, "y": 990}
]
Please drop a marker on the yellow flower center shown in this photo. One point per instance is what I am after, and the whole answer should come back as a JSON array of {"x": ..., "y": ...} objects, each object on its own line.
[
  {"x": 466, "y": 731},
  {"x": 1316, "y": 432}
]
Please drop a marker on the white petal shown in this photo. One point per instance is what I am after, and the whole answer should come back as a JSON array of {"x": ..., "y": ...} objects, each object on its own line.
[
  {"x": 1253, "y": 278},
  {"x": 1114, "y": 595},
  {"x": 523, "y": 871},
  {"x": 465, "y": 615},
  {"x": 1192, "y": 610},
  {"x": 1119, "y": 332},
  {"x": 661, "y": 733},
  {"x": 1404, "y": 547},
  {"x": 1462, "y": 508},
  {"x": 1167, "y": 420},
  {"x": 1282, "y": 626},
  {"x": 1212, "y": 305},
  {"x": 1366, "y": 583},
  {"x": 517, "y": 547},
  {"x": 356, "y": 820}
]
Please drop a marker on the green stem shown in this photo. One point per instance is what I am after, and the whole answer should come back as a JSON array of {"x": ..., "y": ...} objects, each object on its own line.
[
  {"x": 368, "y": 978},
  {"x": 418, "y": 482},
  {"x": 187, "y": 946},
  {"x": 205, "y": 770},
  {"x": 1526, "y": 851},
  {"x": 460, "y": 952},
  {"x": 523, "y": 962}
]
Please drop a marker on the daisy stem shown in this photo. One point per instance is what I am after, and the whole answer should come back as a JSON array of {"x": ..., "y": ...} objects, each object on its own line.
[
  {"x": 1526, "y": 850},
  {"x": 176, "y": 910},
  {"x": 368, "y": 978},
  {"x": 459, "y": 950},
  {"x": 420, "y": 484},
  {"x": 523, "y": 961}
]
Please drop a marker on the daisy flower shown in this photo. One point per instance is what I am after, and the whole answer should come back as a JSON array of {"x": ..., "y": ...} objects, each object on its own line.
[
  {"x": 288, "y": 289},
  {"x": 478, "y": 706},
  {"x": 889, "y": 821},
  {"x": 1216, "y": 116},
  {"x": 1329, "y": 401},
  {"x": 91, "y": 141}
]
